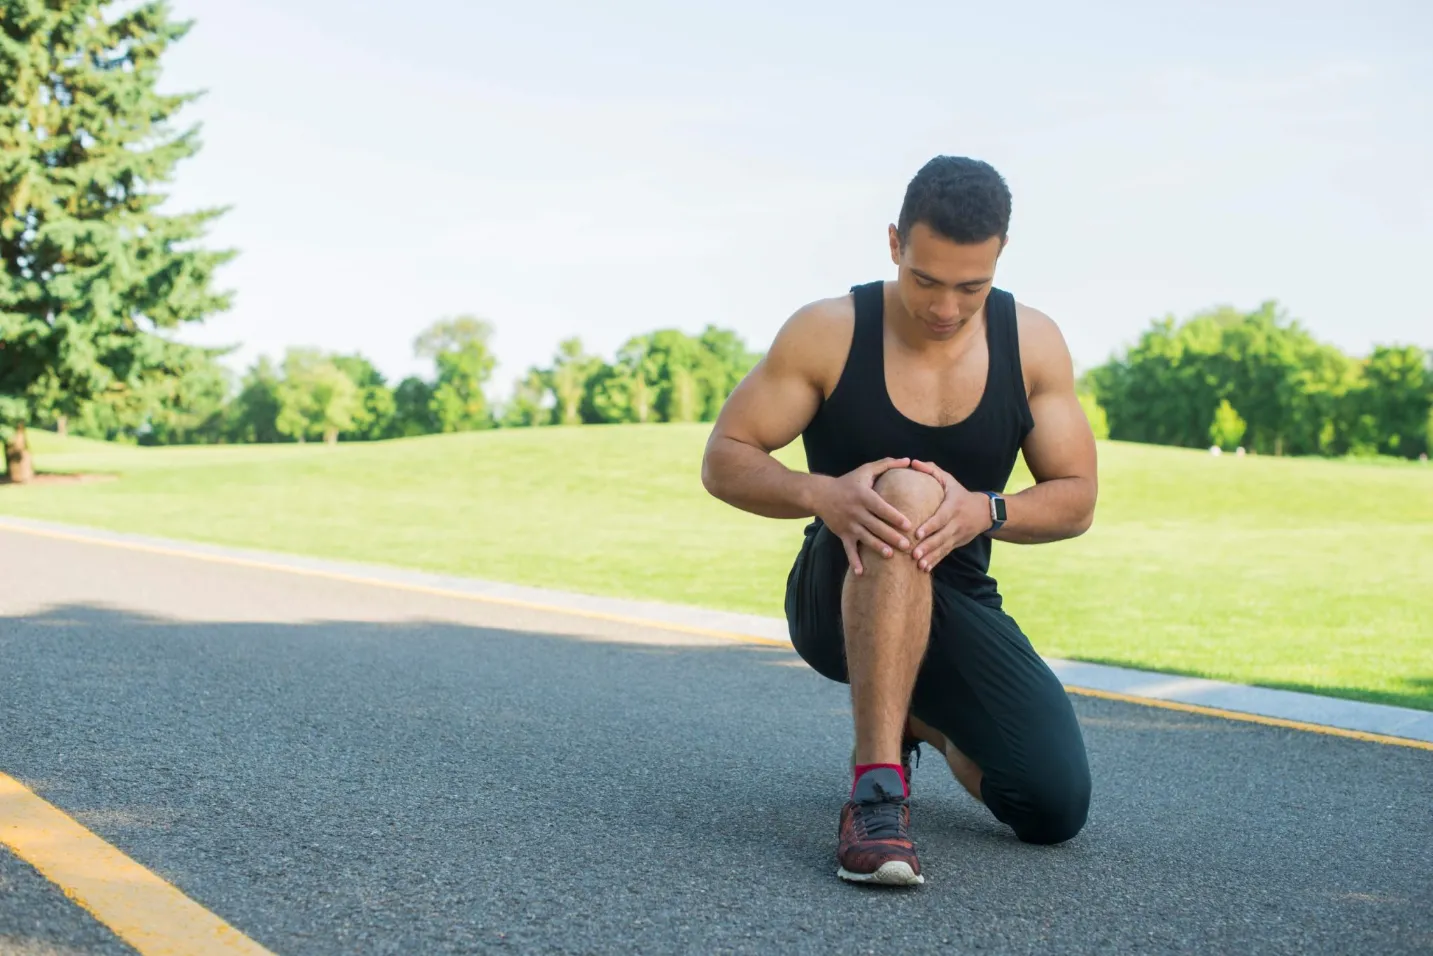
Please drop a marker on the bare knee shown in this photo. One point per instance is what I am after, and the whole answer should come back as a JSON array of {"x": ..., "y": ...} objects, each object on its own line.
[{"x": 913, "y": 493}]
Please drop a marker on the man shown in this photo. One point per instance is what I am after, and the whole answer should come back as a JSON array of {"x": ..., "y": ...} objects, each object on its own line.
[{"x": 913, "y": 399}]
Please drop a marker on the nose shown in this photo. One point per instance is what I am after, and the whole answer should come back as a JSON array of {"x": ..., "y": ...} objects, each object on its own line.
[{"x": 946, "y": 309}]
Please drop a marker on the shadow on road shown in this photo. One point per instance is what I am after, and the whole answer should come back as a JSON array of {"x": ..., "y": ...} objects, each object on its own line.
[{"x": 420, "y": 785}]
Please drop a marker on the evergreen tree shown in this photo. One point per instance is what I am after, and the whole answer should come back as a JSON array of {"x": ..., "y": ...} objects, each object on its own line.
[{"x": 90, "y": 270}]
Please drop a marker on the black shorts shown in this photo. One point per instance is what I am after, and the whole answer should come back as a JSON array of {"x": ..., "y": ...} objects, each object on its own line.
[{"x": 981, "y": 685}]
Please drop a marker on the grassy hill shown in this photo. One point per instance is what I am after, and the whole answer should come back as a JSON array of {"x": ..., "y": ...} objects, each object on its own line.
[{"x": 1293, "y": 573}]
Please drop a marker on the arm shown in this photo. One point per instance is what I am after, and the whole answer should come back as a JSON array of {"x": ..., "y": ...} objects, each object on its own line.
[
  {"x": 766, "y": 411},
  {"x": 1060, "y": 449}
]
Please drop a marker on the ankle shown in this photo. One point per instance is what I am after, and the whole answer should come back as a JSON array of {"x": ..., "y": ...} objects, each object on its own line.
[{"x": 862, "y": 768}]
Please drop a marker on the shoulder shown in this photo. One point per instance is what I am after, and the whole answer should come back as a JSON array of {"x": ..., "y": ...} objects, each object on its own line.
[
  {"x": 1044, "y": 353},
  {"x": 815, "y": 340}
]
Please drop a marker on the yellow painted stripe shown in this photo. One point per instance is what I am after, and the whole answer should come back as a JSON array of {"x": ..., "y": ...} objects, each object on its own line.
[
  {"x": 1252, "y": 718},
  {"x": 141, "y": 908},
  {"x": 685, "y": 628}
]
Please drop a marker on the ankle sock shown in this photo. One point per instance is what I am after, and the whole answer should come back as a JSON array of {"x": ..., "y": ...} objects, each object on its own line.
[{"x": 863, "y": 767}]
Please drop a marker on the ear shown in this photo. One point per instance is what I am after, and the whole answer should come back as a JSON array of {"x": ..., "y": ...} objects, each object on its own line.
[{"x": 895, "y": 238}]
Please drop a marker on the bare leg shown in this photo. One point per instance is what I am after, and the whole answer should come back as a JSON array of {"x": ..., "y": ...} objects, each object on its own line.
[
  {"x": 886, "y": 613},
  {"x": 965, "y": 770}
]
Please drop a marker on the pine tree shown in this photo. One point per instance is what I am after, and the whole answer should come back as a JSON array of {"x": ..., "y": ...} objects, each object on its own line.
[{"x": 91, "y": 273}]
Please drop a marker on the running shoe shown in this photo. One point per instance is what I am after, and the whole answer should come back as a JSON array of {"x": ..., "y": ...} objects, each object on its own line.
[{"x": 875, "y": 843}]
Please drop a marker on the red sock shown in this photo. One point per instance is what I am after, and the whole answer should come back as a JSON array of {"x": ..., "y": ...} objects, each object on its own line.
[{"x": 863, "y": 767}]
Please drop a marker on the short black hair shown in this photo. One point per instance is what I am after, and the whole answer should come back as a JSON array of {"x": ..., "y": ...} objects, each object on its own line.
[{"x": 964, "y": 200}]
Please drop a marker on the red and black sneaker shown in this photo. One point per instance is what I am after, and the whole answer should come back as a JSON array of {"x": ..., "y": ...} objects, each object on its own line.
[{"x": 875, "y": 843}]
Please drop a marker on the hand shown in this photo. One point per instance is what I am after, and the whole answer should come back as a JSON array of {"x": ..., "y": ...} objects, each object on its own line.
[
  {"x": 857, "y": 515},
  {"x": 962, "y": 516}
]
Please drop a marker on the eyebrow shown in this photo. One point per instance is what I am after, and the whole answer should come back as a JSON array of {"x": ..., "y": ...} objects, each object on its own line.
[{"x": 967, "y": 282}]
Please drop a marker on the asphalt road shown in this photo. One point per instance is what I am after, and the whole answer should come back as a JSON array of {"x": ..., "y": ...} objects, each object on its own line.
[{"x": 339, "y": 768}]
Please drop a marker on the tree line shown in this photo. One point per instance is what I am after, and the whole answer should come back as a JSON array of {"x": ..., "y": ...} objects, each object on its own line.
[
  {"x": 310, "y": 395},
  {"x": 1221, "y": 377},
  {"x": 1259, "y": 380}
]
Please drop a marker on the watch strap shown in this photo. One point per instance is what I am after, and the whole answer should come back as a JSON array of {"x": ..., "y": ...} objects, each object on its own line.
[{"x": 997, "y": 512}]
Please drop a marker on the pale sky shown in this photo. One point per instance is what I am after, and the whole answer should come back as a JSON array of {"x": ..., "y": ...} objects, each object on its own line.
[{"x": 603, "y": 169}]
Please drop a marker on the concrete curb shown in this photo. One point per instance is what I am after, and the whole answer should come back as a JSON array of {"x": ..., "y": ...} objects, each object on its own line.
[{"x": 1382, "y": 719}]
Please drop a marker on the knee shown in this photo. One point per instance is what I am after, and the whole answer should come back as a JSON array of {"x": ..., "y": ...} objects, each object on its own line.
[
  {"x": 1052, "y": 809},
  {"x": 913, "y": 493}
]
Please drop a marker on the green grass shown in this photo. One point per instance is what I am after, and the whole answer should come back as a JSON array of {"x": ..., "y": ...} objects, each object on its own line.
[{"x": 1303, "y": 574}]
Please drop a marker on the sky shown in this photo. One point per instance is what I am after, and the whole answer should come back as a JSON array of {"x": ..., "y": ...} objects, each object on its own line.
[{"x": 601, "y": 170}]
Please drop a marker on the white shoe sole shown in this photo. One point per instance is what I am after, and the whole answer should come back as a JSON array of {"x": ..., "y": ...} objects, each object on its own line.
[{"x": 893, "y": 873}]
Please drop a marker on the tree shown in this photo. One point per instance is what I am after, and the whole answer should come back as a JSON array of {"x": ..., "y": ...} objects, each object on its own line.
[
  {"x": 90, "y": 271},
  {"x": 626, "y": 391},
  {"x": 572, "y": 369},
  {"x": 254, "y": 413},
  {"x": 316, "y": 398},
  {"x": 373, "y": 418},
  {"x": 412, "y": 409},
  {"x": 527, "y": 408},
  {"x": 1228, "y": 428},
  {"x": 460, "y": 349},
  {"x": 187, "y": 404},
  {"x": 1398, "y": 385}
]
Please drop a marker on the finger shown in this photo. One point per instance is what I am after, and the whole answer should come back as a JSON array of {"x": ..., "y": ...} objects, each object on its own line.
[
  {"x": 953, "y": 540},
  {"x": 932, "y": 469},
  {"x": 943, "y": 516},
  {"x": 852, "y": 557},
  {"x": 869, "y": 538},
  {"x": 885, "y": 533},
  {"x": 886, "y": 464},
  {"x": 928, "y": 553},
  {"x": 885, "y": 511},
  {"x": 929, "y": 467}
]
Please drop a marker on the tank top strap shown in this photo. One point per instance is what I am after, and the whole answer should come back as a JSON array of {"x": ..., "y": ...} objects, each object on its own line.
[
  {"x": 1005, "y": 337},
  {"x": 867, "y": 358}
]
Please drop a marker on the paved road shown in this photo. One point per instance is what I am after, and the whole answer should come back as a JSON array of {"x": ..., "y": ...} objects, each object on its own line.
[{"x": 336, "y": 768}]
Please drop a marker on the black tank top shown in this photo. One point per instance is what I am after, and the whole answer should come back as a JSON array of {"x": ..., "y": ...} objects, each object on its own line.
[{"x": 859, "y": 423}]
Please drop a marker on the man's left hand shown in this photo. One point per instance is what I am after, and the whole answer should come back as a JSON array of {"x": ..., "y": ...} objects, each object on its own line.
[{"x": 962, "y": 516}]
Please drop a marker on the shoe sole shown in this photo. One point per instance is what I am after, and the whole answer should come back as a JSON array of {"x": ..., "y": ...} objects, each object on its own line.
[{"x": 892, "y": 873}]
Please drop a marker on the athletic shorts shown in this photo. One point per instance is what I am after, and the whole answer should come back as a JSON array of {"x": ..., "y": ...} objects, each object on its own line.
[{"x": 981, "y": 685}]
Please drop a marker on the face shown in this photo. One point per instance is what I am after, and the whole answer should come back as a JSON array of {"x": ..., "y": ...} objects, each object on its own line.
[{"x": 943, "y": 283}]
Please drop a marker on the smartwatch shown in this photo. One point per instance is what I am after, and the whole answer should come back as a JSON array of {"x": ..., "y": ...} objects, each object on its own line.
[{"x": 997, "y": 511}]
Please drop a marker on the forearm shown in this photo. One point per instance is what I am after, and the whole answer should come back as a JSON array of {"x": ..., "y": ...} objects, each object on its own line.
[
  {"x": 748, "y": 478},
  {"x": 1051, "y": 510}
]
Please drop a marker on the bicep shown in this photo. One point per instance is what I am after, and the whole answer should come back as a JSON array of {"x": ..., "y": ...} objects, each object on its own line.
[{"x": 1061, "y": 444}]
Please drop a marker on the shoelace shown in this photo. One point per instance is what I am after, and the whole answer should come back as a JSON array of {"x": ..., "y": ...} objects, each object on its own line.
[{"x": 881, "y": 821}]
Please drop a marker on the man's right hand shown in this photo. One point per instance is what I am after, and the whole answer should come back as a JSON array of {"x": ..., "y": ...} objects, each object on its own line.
[{"x": 857, "y": 514}]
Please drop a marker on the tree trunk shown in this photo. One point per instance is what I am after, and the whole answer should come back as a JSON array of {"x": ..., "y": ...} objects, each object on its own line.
[
  {"x": 62, "y": 425},
  {"x": 17, "y": 458},
  {"x": 330, "y": 436}
]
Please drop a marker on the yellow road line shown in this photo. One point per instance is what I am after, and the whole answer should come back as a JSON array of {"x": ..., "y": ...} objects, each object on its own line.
[
  {"x": 234, "y": 560},
  {"x": 142, "y": 909}
]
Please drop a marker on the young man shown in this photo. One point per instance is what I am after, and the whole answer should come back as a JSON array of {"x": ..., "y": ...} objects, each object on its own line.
[{"x": 913, "y": 399}]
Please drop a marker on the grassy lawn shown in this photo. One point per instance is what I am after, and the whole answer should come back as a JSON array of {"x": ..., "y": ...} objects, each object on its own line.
[{"x": 1309, "y": 575}]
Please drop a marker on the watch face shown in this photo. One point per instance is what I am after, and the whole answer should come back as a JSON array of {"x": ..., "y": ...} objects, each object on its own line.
[{"x": 999, "y": 508}]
